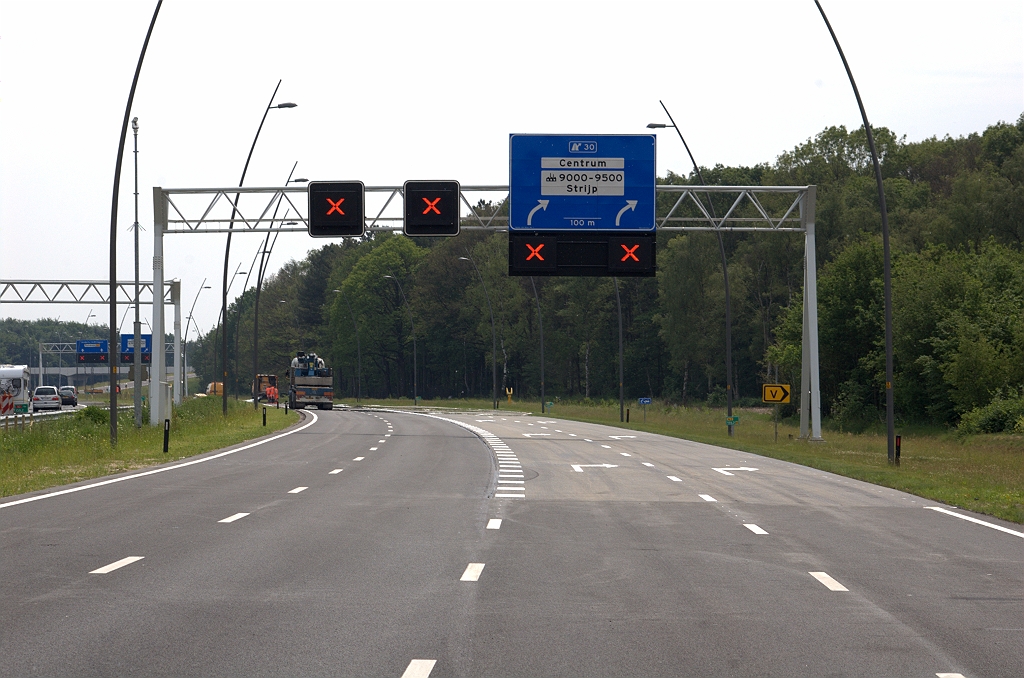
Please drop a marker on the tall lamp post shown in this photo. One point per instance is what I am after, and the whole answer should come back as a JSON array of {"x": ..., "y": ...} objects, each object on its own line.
[
  {"x": 359, "y": 351},
  {"x": 725, "y": 267},
  {"x": 188, "y": 322},
  {"x": 227, "y": 249},
  {"x": 494, "y": 340},
  {"x": 890, "y": 412},
  {"x": 412, "y": 326},
  {"x": 137, "y": 343}
]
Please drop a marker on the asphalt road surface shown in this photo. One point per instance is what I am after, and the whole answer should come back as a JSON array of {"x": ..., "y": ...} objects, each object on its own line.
[{"x": 382, "y": 543}]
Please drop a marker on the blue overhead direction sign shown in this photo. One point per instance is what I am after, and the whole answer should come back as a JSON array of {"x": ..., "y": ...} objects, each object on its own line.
[
  {"x": 128, "y": 343},
  {"x": 91, "y": 346},
  {"x": 581, "y": 182}
]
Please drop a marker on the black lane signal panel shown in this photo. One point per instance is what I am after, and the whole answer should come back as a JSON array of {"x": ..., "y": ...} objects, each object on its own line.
[
  {"x": 581, "y": 253},
  {"x": 336, "y": 208},
  {"x": 431, "y": 208}
]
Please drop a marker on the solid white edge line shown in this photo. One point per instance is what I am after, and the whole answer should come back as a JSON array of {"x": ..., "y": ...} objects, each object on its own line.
[
  {"x": 754, "y": 528},
  {"x": 106, "y": 569},
  {"x": 231, "y": 519},
  {"x": 473, "y": 571},
  {"x": 828, "y": 581},
  {"x": 160, "y": 470},
  {"x": 975, "y": 520},
  {"x": 419, "y": 668},
  {"x": 494, "y": 524}
]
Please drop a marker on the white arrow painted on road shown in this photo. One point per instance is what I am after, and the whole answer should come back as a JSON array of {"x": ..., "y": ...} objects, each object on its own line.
[
  {"x": 630, "y": 205},
  {"x": 620, "y": 437},
  {"x": 725, "y": 470},
  {"x": 579, "y": 467},
  {"x": 543, "y": 205},
  {"x": 531, "y": 435}
]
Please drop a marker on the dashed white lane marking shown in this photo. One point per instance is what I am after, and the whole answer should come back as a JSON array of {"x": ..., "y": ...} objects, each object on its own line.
[
  {"x": 381, "y": 441},
  {"x": 297, "y": 490},
  {"x": 975, "y": 520},
  {"x": 625, "y": 454},
  {"x": 707, "y": 497},
  {"x": 163, "y": 468},
  {"x": 557, "y": 431},
  {"x": 507, "y": 495},
  {"x": 588, "y": 440},
  {"x": 645, "y": 463},
  {"x": 231, "y": 519},
  {"x": 336, "y": 471},
  {"x": 419, "y": 668},
  {"x": 117, "y": 565},
  {"x": 359, "y": 458},
  {"x": 754, "y": 528},
  {"x": 949, "y": 675},
  {"x": 828, "y": 581},
  {"x": 607, "y": 447},
  {"x": 386, "y": 435},
  {"x": 494, "y": 524},
  {"x": 674, "y": 479},
  {"x": 373, "y": 449},
  {"x": 472, "y": 572},
  {"x": 573, "y": 435}
]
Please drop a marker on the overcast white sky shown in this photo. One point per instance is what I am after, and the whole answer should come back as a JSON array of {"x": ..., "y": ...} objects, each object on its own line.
[{"x": 389, "y": 91}]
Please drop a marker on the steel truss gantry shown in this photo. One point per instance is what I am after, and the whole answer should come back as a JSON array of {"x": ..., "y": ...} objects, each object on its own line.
[
  {"x": 767, "y": 209},
  {"x": 97, "y": 292}
]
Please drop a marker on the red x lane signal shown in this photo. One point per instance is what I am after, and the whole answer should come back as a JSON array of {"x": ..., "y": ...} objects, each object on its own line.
[
  {"x": 535, "y": 251},
  {"x": 335, "y": 206},
  {"x": 327, "y": 218},
  {"x": 630, "y": 252},
  {"x": 431, "y": 205}
]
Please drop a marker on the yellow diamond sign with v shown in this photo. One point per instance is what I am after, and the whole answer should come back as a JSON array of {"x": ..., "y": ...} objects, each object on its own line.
[{"x": 775, "y": 393}]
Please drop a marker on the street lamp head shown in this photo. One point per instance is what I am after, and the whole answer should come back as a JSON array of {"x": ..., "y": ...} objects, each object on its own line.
[
  {"x": 658, "y": 125},
  {"x": 206, "y": 287},
  {"x": 287, "y": 104},
  {"x": 135, "y": 124},
  {"x": 300, "y": 180}
]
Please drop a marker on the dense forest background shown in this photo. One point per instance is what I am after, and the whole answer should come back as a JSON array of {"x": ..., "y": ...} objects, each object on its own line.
[{"x": 956, "y": 210}]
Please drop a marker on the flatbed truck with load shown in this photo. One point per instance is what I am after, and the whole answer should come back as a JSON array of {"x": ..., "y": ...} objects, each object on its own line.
[{"x": 310, "y": 382}]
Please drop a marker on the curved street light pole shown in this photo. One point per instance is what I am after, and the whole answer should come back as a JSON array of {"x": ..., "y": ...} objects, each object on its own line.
[
  {"x": 184, "y": 341},
  {"x": 725, "y": 268},
  {"x": 494, "y": 340},
  {"x": 227, "y": 249},
  {"x": 890, "y": 412},
  {"x": 412, "y": 325},
  {"x": 359, "y": 351}
]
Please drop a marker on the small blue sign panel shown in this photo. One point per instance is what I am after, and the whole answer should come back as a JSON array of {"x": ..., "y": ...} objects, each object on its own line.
[
  {"x": 581, "y": 182},
  {"x": 644, "y": 401},
  {"x": 128, "y": 343},
  {"x": 91, "y": 346}
]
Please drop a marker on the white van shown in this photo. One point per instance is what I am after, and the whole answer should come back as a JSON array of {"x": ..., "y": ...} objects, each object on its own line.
[{"x": 15, "y": 394}]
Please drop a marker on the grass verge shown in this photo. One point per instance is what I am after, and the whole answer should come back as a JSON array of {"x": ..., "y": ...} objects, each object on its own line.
[
  {"x": 69, "y": 449},
  {"x": 983, "y": 473}
]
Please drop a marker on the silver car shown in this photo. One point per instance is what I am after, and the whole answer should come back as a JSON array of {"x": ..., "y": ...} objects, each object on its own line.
[{"x": 45, "y": 398}]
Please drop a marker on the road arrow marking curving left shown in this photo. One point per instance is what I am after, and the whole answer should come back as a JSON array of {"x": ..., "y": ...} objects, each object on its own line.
[
  {"x": 725, "y": 470},
  {"x": 579, "y": 467}
]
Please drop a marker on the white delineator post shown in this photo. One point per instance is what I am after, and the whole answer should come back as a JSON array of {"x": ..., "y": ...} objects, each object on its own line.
[{"x": 810, "y": 391}]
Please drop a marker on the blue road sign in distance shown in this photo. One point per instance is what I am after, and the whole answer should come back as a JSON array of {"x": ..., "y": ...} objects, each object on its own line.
[
  {"x": 91, "y": 346},
  {"x": 644, "y": 401},
  {"x": 581, "y": 182},
  {"x": 128, "y": 343}
]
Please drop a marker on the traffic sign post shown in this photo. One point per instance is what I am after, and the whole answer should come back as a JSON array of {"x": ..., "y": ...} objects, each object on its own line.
[
  {"x": 581, "y": 205},
  {"x": 336, "y": 208},
  {"x": 128, "y": 348},
  {"x": 92, "y": 351},
  {"x": 431, "y": 208},
  {"x": 644, "y": 402},
  {"x": 777, "y": 394}
]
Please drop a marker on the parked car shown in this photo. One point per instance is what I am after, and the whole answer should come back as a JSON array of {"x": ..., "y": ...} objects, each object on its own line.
[
  {"x": 68, "y": 395},
  {"x": 45, "y": 398}
]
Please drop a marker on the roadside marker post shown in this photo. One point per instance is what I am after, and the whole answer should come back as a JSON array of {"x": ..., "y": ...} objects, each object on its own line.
[
  {"x": 775, "y": 394},
  {"x": 167, "y": 433}
]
